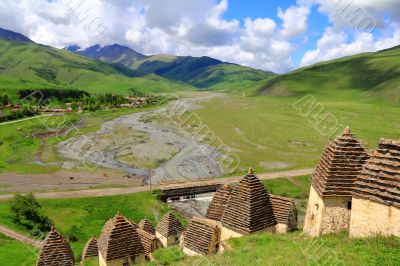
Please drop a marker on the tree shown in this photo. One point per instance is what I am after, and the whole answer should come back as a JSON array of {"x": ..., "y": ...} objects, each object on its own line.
[
  {"x": 4, "y": 100},
  {"x": 26, "y": 211}
]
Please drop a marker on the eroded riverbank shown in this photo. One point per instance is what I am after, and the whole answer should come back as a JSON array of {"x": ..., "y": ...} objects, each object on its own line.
[{"x": 146, "y": 140}]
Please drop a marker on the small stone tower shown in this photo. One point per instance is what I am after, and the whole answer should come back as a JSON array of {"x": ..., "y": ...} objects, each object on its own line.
[
  {"x": 119, "y": 243},
  {"x": 169, "y": 229},
  {"x": 91, "y": 249},
  {"x": 55, "y": 251},
  {"x": 376, "y": 197},
  {"x": 146, "y": 226},
  {"x": 248, "y": 210},
  {"x": 330, "y": 200}
]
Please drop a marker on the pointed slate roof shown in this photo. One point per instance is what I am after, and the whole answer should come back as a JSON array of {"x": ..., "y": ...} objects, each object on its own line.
[
  {"x": 218, "y": 203},
  {"x": 119, "y": 239},
  {"x": 249, "y": 209},
  {"x": 380, "y": 179},
  {"x": 146, "y": 225},
  {"x": 284, "y": 209},
  {"x": 55, "y": 251},
  {"x": 169, "y": 225},
  {"x": 340, "y": 164},
  {"x": 202, "y": 236},
  {"x": 147, "y": 240},
  {"x": 91, "y": 249}
]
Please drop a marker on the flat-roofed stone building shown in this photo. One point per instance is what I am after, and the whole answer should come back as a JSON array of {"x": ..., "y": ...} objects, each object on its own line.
[
  {"x": 55, "y": 251},
  {"x": 248, "y": 210},
  {"x": 120, "y": 244},
  {"x": 202, "y": 237},
  {"x": 169, "y": 229},
  {"x": 330, "y": 201},
  {"x": 376, "y": 196}
]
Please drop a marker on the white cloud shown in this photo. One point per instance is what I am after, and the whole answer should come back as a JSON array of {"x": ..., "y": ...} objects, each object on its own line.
[
  {"x": 260, "y": 26},
  {"x": 385, "y": 43},
  {"x": 199, "y": 27},
  {"x": 179, "y": 27},
  {"x": 294, "y": 21},
  {"x": 359, "y": 15},
  {"x": 336, "y": 44}
]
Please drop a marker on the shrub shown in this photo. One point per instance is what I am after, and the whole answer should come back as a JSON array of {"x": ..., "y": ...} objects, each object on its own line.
[
  {"x": 73, "y": 234},
  {"x": 26, "y": 212}
]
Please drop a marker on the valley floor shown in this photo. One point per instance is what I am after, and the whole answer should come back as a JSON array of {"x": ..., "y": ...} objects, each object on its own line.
[{"x": 268, "y": 133}]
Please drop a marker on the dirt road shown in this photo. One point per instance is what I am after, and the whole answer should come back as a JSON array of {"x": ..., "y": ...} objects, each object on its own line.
[
  {"x": 20, "y": 237},
  {"x": 25, "y": 119},
  {"x": 131, "y": 190}
]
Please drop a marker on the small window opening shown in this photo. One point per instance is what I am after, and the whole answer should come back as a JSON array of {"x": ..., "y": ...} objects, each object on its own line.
[{"x": 349, "y": 205}]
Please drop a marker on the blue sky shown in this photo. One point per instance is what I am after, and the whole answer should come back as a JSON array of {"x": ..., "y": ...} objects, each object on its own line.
[
  {"x": 277, "y": 36},
  {"x": 241, "y": 9}
]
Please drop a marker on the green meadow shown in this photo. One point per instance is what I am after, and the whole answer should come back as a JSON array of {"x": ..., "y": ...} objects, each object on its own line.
[
  {"x": 294, "y": 249},
  {"x": 273, "y": 133},
  {"x": 18, "y": 144},
  {"x": 21, "y": 142},
  {"x": 15, "y": 253},
  {"x": 84, "y": 218},
  {"x": 80, "y": 219}
]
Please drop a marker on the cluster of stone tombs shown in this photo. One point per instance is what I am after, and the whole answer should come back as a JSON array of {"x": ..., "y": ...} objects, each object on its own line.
[
  {"x": 349, "y": 188},
  {"x": 355, "y": 191},
  {"x": 121, "y": 242},
  {"x": 233, "y": 212}
]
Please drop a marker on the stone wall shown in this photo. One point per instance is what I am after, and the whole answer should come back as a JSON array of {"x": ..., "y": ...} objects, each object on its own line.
[
  {"x": 166, "y": 242},
  {"x": 281, "y": 229},
  {"x": 120, "y": 262},
  {"x": 326, "y": 215},
  {"x": 227, "y": 233},
  {"x": 190, "y": 253},
  {"x": 369, "y": 218}
]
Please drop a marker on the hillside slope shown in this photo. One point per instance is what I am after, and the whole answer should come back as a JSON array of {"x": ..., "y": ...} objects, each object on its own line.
[
  {"x": 293, "y": 249},
  {"x": 202, "y": 72},
  {"x": 29, "y": 65},
  {"x": 371, "y": 74},
  {"x": 8, "y": 35}
]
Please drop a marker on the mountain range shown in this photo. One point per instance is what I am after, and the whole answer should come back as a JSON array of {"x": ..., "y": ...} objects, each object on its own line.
[
  {"x": 201, "y": 72},
  {"x": 13, "y": 36},
  {"x": 116, "y": 68}
]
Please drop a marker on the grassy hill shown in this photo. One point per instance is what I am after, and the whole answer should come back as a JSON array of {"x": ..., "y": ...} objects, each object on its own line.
[
  {"x": 228, "y": 77},
  {"x": 369, "y": 74},
  {"x": 28, "y": 65},
  {"x": 202, "y": 72},
  {"x": 293, "y": 249}
]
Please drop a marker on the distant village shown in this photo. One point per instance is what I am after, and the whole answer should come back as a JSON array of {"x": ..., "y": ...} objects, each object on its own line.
[
  {"x": 132, "y": 102},
  {"x": 34, "y": 102},
  {"x": 351, "y": 190}
]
